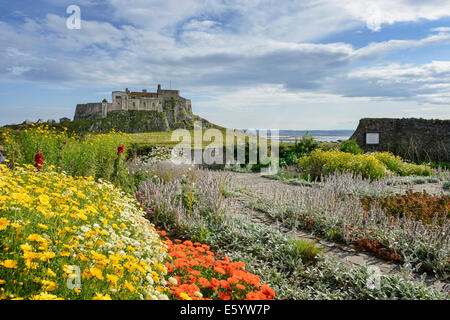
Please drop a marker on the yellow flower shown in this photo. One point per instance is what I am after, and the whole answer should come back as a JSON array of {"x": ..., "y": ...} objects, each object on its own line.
[
  {"x": 99, "y": 296},
  {"x": 10, "y": 264},
  {"x": 48, "y": 285},
  {"x": 3, "y": 223},
  {"x": 35, "y": 237},
  {"x": 47, "y": 256},
  {"x": 44, "y": 199},
  {"x": 112, "y": 278},
  {"x": 45, "y": 296},
  {"x": 42, "y": 226},
  {"x": 185, "y": 296},
  {"x": 97, "y": 273},
  {"x": 2, "y": 282},
  {"x": 129, "y": 286},
  {"x": 51, "y": 273},
  {"x": 26, "y": 247}
]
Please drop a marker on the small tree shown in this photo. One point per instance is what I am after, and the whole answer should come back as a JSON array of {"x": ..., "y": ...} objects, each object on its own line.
[{"x": 350, "y": 146}]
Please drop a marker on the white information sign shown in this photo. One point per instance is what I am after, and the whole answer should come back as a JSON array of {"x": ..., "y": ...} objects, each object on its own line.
[{"x": 372, "y": 138}]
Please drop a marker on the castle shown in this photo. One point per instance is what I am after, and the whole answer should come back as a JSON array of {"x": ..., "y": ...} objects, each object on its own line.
[{"x": 158, "y": 101}]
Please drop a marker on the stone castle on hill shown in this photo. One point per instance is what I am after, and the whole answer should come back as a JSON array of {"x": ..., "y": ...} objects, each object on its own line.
[{"x": 160, "y": 101}]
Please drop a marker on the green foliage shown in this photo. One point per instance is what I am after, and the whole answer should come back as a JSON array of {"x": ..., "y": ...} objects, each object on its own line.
[
  {"x": 372, "y": 165},
  {"x": 92, "y": 155},
  {"x": 446, "y": 185},
  {"x": 350, "y": 146},
  {"x": 308, "y": 249},
  {"x": 322, "y": 163},
  {"x": 202, "y": 235},
  {"x": 399, "y": 167},
  {"x": 289, "y": 155}
]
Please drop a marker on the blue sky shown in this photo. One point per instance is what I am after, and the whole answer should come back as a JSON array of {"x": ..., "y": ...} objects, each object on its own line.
[{"x": 321, "y": 64}]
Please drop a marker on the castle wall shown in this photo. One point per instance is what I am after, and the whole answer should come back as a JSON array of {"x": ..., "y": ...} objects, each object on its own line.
[
  {"x": 141, "y": 101},
  {"x": 88, "y": 111},
  {"x": 411, "y": 138}
]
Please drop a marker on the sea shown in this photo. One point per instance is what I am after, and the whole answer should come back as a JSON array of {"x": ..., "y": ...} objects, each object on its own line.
[{"x": 319, "y": 135}]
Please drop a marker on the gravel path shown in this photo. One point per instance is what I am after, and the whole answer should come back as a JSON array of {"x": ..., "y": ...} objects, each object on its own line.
[{"x": 253, "y": 184}]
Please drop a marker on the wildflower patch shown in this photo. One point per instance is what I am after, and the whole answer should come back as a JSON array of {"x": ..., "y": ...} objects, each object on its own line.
[{"x": 63, "y": 237}]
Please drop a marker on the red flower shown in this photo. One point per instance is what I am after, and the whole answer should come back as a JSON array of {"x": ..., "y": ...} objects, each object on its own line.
[
  {"x": 120, "y": 149},
  {"x": 38, "y": 160}
]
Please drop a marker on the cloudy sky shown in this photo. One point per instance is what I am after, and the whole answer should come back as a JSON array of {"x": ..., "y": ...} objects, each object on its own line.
[{"x": 312, "y": 64}]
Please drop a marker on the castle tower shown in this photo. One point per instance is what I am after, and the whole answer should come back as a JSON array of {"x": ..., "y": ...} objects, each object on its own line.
[{"x": 104, "y": 108}]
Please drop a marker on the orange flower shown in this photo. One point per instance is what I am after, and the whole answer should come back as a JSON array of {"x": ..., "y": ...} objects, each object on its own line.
[
  {"x": 225, "y": 284},
  {"x": 232, "y": 280},
  {"x": 267, "y": 291},
  {"x": 220, "y": 270},
  {"x": 169, "y": 267},
  {"x": 224, "y": 296},
  {"x": 215, "y": 284},
  {"x": 204, "y": 282},
  {"x": 253, "y": 296},
  {"x": 240, "y": 286},
  {"x": 194, "y": 272}
]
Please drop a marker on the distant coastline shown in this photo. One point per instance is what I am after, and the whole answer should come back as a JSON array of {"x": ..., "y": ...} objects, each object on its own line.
[{"x": 319, "y": 135}]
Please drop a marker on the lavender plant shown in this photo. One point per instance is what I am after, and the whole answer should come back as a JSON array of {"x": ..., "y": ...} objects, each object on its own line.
[
  {"x": 266, "y": 251},
  {"x": 335, "y": 208}
]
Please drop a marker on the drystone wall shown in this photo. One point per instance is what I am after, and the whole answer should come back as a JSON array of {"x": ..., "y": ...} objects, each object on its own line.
[{"x": 416, "y": 139}]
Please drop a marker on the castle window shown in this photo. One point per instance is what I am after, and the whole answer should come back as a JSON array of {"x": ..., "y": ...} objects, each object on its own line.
[
  {"x": 134, "y": 104},
  {"x": 145, "y": 104}
]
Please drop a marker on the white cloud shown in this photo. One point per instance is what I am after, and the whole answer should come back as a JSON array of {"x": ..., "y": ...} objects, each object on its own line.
[
  {"x": 377, "y": 13},
  {"x": 441, "y": 29},
  {"x": 271, "y": 48}
]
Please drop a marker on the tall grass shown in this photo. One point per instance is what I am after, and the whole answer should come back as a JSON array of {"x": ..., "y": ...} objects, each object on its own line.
[{"x": 92, "y": 155}]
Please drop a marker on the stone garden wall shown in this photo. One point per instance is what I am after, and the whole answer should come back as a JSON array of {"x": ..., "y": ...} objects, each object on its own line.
[{"x": 412, "y": 138}]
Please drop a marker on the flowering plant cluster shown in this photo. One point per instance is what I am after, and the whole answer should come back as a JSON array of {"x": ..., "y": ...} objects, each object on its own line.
[
  {"x": 63, "y": 237},
  {"x": 419, "y": 206},
  {"x": 396, "y": 165},
  {"x": 196, "y": 273},
  {"x": 90, "y": 155},
  {"x": 371, "y": 165},
  {"x": 322, "y": 163}
]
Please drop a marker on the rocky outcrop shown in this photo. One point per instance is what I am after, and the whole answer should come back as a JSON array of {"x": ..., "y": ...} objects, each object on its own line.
[
  {"x": 134, "y": 121},
  {"x": 411, "y": 138}
]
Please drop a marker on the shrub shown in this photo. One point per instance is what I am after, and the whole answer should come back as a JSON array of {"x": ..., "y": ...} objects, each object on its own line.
[
  {"x": 289, "y": 154},
  {"x": 350, "y": 146},
  {"x": 52, "y": 224},
  {"x": 308, "y": 249},
  {"x": 93, "y": 155},
  {"x": 419, "y": 206},
  {"x": 322, "y": 163},
  {"x": 446, "y": 185},
  {"x": 399, "y": 167}
]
